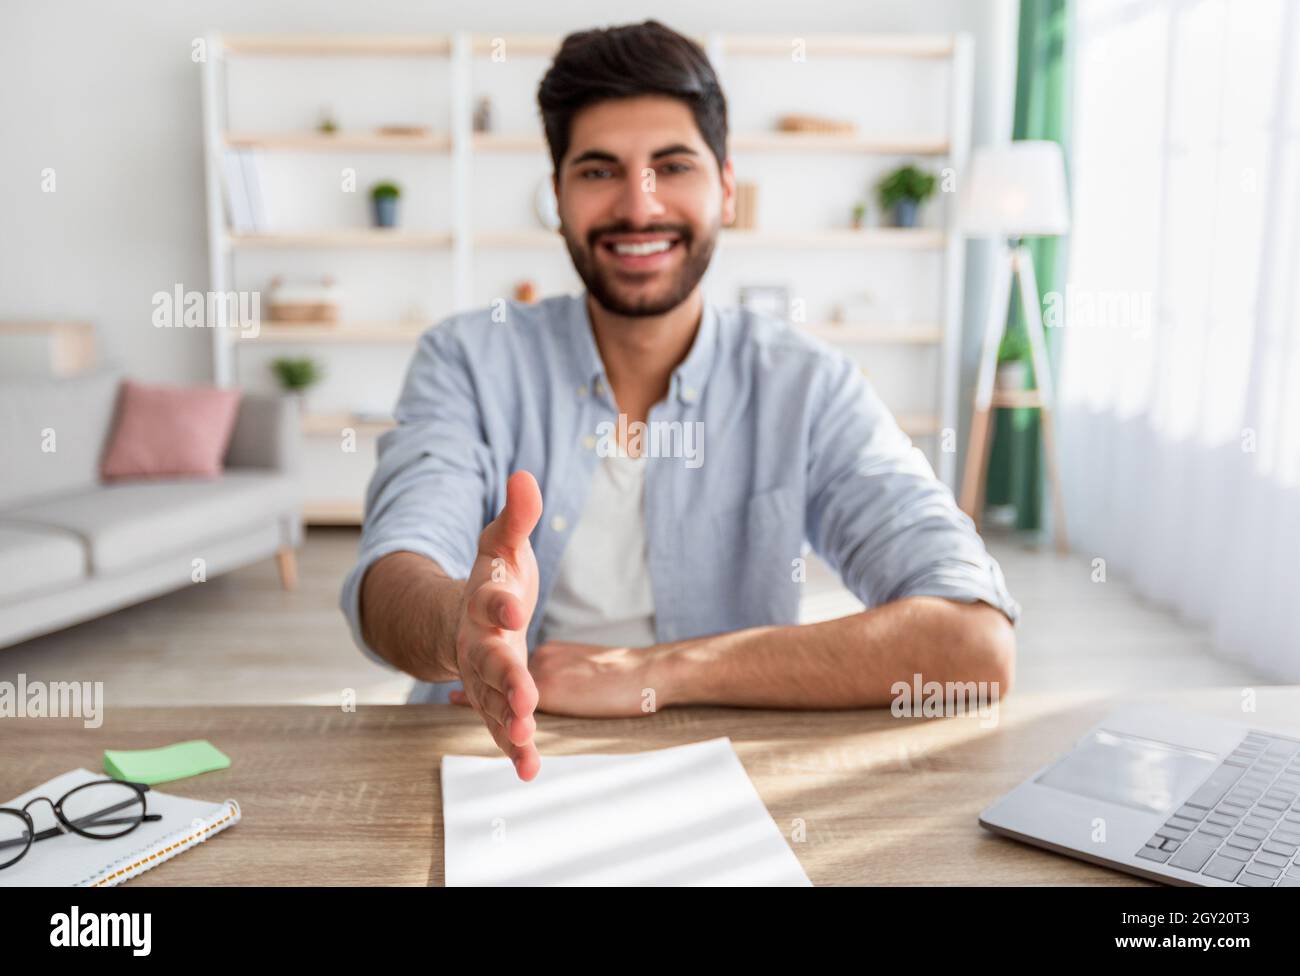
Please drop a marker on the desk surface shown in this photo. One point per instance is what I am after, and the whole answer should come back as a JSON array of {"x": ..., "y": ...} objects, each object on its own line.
[{"x": 352, "y": 798}]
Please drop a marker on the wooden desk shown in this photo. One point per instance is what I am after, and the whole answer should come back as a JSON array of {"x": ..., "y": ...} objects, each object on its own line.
[{"x": 352, "y": 798}]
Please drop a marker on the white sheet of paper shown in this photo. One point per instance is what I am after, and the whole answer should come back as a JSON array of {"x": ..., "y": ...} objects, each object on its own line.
[{"x": 679, "y": 816}]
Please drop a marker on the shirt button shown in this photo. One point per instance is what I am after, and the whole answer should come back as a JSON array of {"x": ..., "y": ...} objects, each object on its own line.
[
  {"x": 582, "y": 391},
  {"x": 589, "y": 442},
  {"x": 600, "y": 388},
  {"x": 559, "y": 523},
  {"x": 689, "y": 394}
]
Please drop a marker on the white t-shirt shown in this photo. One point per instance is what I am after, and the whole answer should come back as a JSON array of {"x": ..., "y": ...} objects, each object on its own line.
[{"x": 602, "y": 591}]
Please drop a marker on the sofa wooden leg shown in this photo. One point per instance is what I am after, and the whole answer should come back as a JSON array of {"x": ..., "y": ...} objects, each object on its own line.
[{"x": 287, "y": 562}]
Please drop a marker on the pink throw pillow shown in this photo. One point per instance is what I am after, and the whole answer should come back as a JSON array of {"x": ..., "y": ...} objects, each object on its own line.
[{"x": 170, "y": 432}]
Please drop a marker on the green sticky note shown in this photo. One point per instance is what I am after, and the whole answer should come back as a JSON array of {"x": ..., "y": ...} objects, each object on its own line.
[{"x": 163, "y": 765}]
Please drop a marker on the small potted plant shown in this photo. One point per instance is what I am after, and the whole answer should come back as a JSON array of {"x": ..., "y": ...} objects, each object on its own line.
[
  {"x": 297, "y": 375},
  {"x": 903, "y": 191},
  {"x": 1013, "y": 360},
  {"x": 385, "y": 197},
  {"x": 859, "y": 215}
]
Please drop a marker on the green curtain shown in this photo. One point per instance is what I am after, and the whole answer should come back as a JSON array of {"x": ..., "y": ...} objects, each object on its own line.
[{"x": 1015, "y": 474}]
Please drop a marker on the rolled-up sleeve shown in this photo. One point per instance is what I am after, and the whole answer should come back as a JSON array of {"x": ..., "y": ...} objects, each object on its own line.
[
  {"x": 876, "y": 512},
  {"x": 430, "y": 490}
]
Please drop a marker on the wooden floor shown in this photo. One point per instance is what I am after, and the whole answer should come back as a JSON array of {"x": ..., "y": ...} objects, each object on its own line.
[{"x": 240, "y": 639}]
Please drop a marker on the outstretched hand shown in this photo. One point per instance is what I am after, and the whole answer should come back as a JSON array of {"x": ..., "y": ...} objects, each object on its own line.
[{"x": 491, "y": 640}]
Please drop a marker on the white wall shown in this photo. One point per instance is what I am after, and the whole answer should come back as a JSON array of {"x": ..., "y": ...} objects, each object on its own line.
[{"x": 106, "y": 95}]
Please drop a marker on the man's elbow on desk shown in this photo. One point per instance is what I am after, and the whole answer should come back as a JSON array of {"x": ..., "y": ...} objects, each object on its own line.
[
  {"x": 984, "y": 643},
  {"x": 938, "y": 639}
]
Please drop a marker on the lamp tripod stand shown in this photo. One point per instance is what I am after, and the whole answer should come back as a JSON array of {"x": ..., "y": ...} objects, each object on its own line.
[{"x": 1016, "y": 263}]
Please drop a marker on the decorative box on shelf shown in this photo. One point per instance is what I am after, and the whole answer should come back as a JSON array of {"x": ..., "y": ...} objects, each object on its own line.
[{"x": 303, "y": 303}]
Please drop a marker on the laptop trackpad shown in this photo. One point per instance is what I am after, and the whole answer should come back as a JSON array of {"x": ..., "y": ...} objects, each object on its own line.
[{"x": 1130, "y": 771}]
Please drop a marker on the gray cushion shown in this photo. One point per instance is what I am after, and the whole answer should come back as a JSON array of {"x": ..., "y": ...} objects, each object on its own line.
[
  {"x": 77, "y": 413},
  {"x": 33, "y": 559},
  {"x": 126, "y": 525}
]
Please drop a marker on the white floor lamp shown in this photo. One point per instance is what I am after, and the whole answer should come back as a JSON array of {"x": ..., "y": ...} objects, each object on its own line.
[{"x": 1013, "y": 192}]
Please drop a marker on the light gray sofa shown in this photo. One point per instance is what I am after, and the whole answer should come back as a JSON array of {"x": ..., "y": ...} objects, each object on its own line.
[{"x": 73, "y": 548}]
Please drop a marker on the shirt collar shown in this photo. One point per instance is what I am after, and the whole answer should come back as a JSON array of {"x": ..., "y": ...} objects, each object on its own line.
[{"x": 689, "y": 378}]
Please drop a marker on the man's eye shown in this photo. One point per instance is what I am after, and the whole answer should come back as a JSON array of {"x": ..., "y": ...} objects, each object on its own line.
[
  {"x": 677, "y": 167},
  {"x": 596, "y": 174}
]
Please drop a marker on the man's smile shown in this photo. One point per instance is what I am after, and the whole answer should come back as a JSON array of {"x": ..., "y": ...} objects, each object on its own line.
[{"x": 647, "y": 251}]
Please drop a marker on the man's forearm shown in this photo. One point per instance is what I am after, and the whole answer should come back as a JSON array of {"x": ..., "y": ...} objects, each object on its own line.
[
  {"x": 846, "y": 663},
  {"x": 409, "y": 613}
]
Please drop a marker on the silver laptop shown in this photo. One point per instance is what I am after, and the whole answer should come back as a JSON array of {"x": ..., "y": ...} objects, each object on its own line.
[{"x": 1178, "y": 798}]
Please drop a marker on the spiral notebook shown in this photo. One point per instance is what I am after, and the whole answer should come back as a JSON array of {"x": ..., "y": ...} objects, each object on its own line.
[{"x": 71, "y": 859}]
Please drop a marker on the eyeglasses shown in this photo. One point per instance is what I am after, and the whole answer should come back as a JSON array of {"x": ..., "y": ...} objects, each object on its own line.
[{"x": 101, "y": 810}]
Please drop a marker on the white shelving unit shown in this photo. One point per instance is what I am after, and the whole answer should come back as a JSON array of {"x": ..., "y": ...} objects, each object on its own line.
[{"x": 931, "y": 333}]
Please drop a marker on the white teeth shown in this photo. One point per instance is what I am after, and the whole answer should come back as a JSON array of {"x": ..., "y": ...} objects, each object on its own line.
[{"x": 648, "y": 247}]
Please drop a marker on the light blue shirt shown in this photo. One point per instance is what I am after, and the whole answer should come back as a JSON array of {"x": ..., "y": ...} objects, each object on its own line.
[{"x": 769, "y": 440}]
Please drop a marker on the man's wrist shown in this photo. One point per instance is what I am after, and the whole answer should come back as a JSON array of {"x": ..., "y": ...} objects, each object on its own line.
[
  {"x": 674, "y": 671},
  {"x": 446, "y": 656}
]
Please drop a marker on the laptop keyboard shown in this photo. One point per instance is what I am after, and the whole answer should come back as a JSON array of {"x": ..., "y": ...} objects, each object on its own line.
[{"x": 1243, "y": 824}]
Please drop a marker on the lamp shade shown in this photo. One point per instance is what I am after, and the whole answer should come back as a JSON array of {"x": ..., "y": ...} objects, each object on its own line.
[{"x": 1015, "y": 190}]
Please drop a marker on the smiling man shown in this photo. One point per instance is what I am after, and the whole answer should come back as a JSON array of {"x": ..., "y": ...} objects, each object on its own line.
[{"x": 540, "y": 534}]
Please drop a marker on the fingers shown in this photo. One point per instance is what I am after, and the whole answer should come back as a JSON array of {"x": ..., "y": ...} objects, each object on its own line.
[
  {"x": 496, "y": 605},
  {"x": 499, "y": 666},
  {"x": 516, "y": 753},
  {"x": 512, "y": 527},
  {"x": 500, "y": 687},
  {"x": 528, "y": 762},
  {"x": 492, "y": 705},
  {"x": 524, "y": 755}
]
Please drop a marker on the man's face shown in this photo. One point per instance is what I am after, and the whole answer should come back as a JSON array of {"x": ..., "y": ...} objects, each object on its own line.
[{"x": 641, "y": 199}]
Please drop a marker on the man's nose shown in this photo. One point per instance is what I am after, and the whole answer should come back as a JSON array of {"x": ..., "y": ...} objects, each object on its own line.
[{"x": 638, "y": 204}]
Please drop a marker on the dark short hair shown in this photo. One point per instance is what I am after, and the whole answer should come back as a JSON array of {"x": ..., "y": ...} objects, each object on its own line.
[{"x": 625, "y": 62}]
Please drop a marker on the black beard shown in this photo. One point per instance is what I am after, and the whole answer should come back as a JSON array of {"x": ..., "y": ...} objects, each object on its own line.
[{"x": 604, "y": 290}]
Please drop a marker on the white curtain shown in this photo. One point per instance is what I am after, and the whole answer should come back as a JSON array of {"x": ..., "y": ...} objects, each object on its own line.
[{"x": 1180, "y": 367}]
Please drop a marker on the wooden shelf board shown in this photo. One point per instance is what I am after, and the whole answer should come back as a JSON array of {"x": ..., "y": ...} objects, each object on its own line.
[
  {"x": 338, "y": 141},
  {"x": 38, "y": 327},
  {"x": 534, "y": 45},
  {"x": 870, "y": 237},
  {"x": 843, "y": 45},
  {"x": 358, "y": 238},
  {"x": 917, "y": 334},
  {"x": 403, "y": 45},
  {"x": 831, "y": 142},
  {"x": 538, "y": 238},
  {"x": 357, "y": 332},
  {"x": 508, "y": 142},
  {"x": 339, "y": 512},
  {"x": 318, "y": 424}
]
